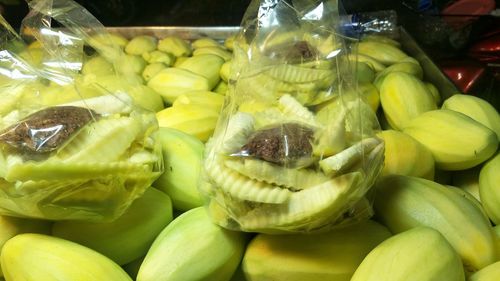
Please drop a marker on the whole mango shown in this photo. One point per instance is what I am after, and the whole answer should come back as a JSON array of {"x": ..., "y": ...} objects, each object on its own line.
[
  {"x": 332, "y": 256},
  {"x": 418, "y": 254},
  {"x": 126, "y": 238},
  {"x": 404, "y": 202},
  {"x": 35, "y": 257},
  {"x": 456, "y": 141}
]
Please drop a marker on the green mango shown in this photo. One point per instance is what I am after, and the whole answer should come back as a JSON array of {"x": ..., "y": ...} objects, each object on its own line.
[
  {"x": 182, "y": 156},
  {"x": 126, "y": 238}
]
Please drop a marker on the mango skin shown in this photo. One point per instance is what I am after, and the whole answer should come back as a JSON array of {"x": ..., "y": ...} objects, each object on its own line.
[
  {"x": 183, "y": 157},
  {"x": 489, "y": 273},
  {"x": 489, "y": 188},
  {"x": 403, "y": 202},
  {"x": 477, "y": 109},
  {"x": 12, "y": 226},
  {"x": 404, "y": 97},
  {"x": 419, "y": 254},
  {"x": 333, "y": 256},
  {"x": 199, "y": 249},
  {"x": 406, "y": 156},
  {"x": 35, "y": 257},
  {"x": 456, "y": 141},
  {"x": 126, "y": 238}
]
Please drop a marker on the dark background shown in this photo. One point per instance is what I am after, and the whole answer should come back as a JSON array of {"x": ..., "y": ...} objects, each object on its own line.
[{"x": 442, "y": 43}]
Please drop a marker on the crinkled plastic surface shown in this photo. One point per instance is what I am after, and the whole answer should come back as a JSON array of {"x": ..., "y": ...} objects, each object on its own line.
[
  {"x": 73, "y": 143},
  {"x": 295, "y": 147}
]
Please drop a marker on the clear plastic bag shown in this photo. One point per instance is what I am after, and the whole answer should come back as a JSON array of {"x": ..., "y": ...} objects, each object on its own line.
[
  {"x": 71, "y": 146},
  {"x": 295, "y": 148}
]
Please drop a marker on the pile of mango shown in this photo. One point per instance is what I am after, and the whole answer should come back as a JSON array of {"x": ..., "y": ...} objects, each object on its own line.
[{"x": 436, "y": 203}]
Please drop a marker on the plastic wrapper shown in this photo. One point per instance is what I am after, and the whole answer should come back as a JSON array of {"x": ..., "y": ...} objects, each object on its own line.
[
  {"x": 295, "y": 148},
  {"x": 73, "y": 143}
]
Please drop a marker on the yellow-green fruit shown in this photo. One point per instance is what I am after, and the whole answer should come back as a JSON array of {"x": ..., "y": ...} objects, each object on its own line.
[
  {"x": 192, "y": 248},
  {"x": 221, "y": 88},
  {"x": 98, "y": 65},
  {"x": 477, "y": 109},
  {"x": 382, "y": 39},
  {"x": 406, "y": 156},
  {"x": 467, "y": 180},
  {"x": 382, "y": 52},
  {"x": 407, "y": 67},
  {"x": 369, "y": 93},
  {"x": 225, "y": 71},
  {"x": 126, "y": 238},
  {"x": 175, "y": 45},
  {"x": 206, "y": 98},
  {"x": 229, "y": 42},
  {"x": 35, "y": 257},
  {"x": 489, "y": 273},
  {"x": 159, "y": 57},
  {"x": 11, "y": 226},
  {"x": 207, "y": 66},
  {"x": 434, "y": 91},
  {"x": 364, "y": 72},
  {"x": 182, "y": 157},
  {"x": 130, "y": 64},
  {"x": 146, "y": 97},
  {"x": 489, "y": 188},
  {"x": 404, "y": 97},
  {"x": 456, "y": 141},
  {"x": 205, "y": 42},
  {"x": 375, "y": 64},
  {"x": 141, "y": 44},
  {"x": 333, "y": 255},
  {"x": 419, "y": 254},
  {"x": 193, "y": 119},
  {"x": 471, "y": 198},
  {"x": 403, "y": 202},
  {"x": 110, "y": 39},
  {"x": 224, "y": 54},
  {"x": 496, "y": 230},
  {"x": 173, "y": 82},
  {"x": 152, "y": 69}
]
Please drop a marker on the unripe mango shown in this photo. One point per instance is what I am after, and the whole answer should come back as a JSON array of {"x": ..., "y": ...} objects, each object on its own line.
[
  {"x": 489, "y": 188},
  {"x": 12, "y": 226},
  {"x": 207, "y": 65},
  {"x": 419, "y": 254},
  {"x": 172, "y": 82},
  {"x": 489, "y": 273},
  {"x": 404, "y": 97},
  {"x": 193, "y": 248},
  {"x": 126, "y": 238},
  {"x": 406, "y": 156},
  {"x": 35, "y": 257},
  {"x": 382, "y": 52},
  {"x": 194, "y": 119},
  {"x": 456, "y": 141},
  {"x": 403, "y": 202},
  {"x": 182, "y": 157},
  {"x": 332, "y": 256},
  {"x": 477, "y": 109}
]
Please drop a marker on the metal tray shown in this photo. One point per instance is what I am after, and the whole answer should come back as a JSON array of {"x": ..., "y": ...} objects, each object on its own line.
[{"x": 432, "y": 73}]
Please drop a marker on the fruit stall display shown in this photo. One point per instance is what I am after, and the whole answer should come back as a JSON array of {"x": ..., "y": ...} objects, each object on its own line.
[{"x": 435, "y": 200}]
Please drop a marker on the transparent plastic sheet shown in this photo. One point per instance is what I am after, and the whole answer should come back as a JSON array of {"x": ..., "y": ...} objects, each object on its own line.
[
  {"x": 73, "y": 145},
  {"x": 295, "y": 148}
]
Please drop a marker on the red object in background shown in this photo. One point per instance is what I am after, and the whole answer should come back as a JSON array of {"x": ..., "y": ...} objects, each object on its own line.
[
  {"x": 464, "y": 73},
  {"x": 487, "y": 49},
  {"x": 463, "y": 12}
]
